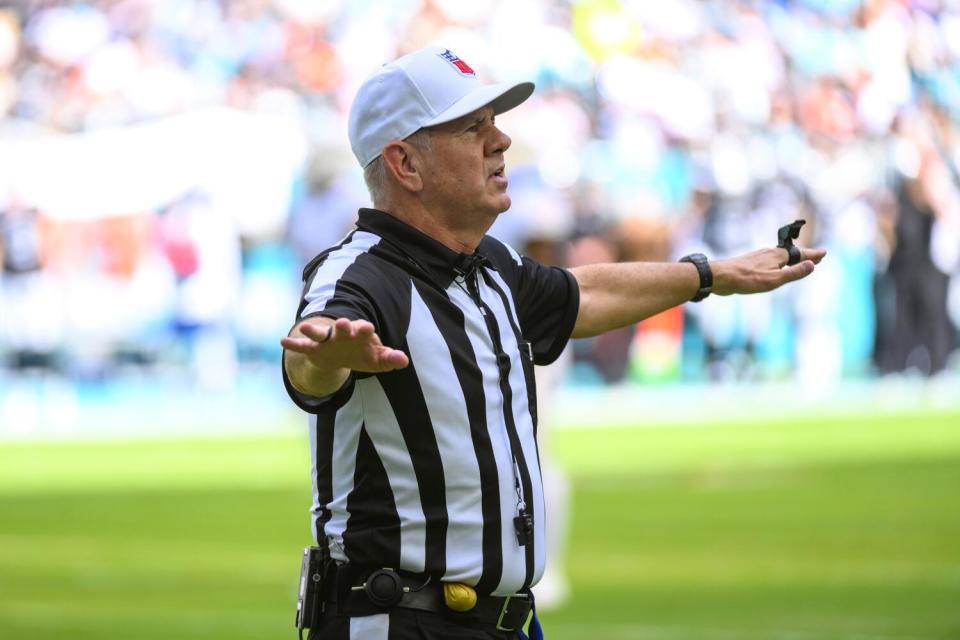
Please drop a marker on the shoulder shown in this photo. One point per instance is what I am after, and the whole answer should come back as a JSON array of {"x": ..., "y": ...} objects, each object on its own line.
[
  {"x": 357, "y": 279},
  {"x": 363, "y": 259},
  {"x": 501, "y": 254},
  {"x": 335, "y": 262},
  {"x": 358, "y": 269}
]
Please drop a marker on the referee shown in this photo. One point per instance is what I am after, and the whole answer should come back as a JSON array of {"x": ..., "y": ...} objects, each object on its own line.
[{"x": 413, "y": 353}]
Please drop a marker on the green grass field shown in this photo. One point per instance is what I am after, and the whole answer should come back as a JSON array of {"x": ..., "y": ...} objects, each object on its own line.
[{"x": 799, "y": 530}]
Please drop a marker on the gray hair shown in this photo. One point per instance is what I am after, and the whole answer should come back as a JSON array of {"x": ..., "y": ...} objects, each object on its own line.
[{"x": 375, "y": 173}]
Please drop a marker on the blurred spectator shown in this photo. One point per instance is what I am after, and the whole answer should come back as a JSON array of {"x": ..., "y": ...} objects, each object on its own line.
[
  {"x": 665, "y": 128},
  {"x": 204, "y": 249},
  {"x": 26, "y": 292},
  {"x": 923, "y": 336}
]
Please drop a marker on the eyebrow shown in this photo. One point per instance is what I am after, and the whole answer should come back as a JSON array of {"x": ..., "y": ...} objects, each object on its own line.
[{"x": 478, "y": 119}]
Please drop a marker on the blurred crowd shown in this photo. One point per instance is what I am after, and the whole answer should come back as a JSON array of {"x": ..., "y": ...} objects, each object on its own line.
[{"x": 166, "y": 167}]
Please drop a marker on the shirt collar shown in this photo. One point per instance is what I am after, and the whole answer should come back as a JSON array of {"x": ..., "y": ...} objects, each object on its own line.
[{"x": 440, "y": 262}]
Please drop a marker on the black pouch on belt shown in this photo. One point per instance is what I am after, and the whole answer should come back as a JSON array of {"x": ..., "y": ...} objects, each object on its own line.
[{"x": 312, "y": 592}]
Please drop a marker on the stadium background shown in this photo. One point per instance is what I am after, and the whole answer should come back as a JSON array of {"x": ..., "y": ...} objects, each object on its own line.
[{"x": 167, "y": 167}]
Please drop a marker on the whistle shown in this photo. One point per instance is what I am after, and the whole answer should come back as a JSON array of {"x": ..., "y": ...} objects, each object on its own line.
[{"x": 785, "y": 237}]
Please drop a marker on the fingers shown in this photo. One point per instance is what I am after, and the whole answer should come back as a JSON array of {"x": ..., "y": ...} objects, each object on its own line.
[
  {"x": 317, "y": 333},
  {"x": 362, "y": 328},
  {"x": 797, "y": 271},
  {"x": 300, "y": 345},
  {"x": 344, "y": 328},
  {"x": 393, "y": 359},
  {"x": 341, "y": 329},
  {"x": 814, "y": 255},
  {"x": 354, "y": 343}
]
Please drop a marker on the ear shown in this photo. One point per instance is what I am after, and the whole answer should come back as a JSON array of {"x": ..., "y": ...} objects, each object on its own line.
[{"x": 403, "y": 162}]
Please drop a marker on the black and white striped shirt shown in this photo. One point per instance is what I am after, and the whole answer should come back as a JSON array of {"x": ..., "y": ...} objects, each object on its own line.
[{"x": 425, "y": 468}]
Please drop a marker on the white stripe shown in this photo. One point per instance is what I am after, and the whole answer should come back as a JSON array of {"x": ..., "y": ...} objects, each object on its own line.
[
  {"x": 375, "y": 627},
  {"x": 521, "y": 413},
  {"x": 346, "y": 435},
  {"x": 514, "y": 562},
  {"x": 503, "y": 286},
  {"x": 324, "y": 283},
  {"x": 312, "y": 432},
  {"x": 513, "y": 253},
  {"x": 384, "y": 431},
  {"x": 451, "y": 425}
]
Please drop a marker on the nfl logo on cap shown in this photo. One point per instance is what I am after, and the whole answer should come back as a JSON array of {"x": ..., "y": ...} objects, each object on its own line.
[{"x": 461, "y": 66}]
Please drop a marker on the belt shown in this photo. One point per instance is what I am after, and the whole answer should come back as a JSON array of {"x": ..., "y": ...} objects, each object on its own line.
[{"x": 420, "y": 592}]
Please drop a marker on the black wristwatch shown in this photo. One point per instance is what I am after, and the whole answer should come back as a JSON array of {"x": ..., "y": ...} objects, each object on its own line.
[{"x": 706, "y": 275}]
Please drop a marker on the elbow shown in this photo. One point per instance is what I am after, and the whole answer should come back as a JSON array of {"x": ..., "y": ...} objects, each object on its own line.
[{"x": 293, "y": 368}]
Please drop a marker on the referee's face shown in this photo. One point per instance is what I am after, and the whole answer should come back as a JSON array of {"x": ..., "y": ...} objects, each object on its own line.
[{"x": 465, "y": 177}]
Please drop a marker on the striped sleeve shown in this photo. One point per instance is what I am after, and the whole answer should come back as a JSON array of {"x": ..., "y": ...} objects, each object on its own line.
[
  {"x": 336, "y": 287},
  {"x": 339, "y": 284}
]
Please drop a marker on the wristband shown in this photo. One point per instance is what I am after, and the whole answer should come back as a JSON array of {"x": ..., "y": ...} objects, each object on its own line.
[{"x": 706, "y": 275}]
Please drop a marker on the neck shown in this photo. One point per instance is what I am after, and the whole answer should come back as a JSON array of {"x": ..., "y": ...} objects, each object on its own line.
[{"x": 436, "y": 226}]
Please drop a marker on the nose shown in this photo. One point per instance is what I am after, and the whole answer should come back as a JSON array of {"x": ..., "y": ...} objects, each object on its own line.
[{"x": 499, "y": 142}]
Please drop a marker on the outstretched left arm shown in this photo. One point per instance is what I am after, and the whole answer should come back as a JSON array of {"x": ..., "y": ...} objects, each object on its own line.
[{"x": 621, "y": 294}]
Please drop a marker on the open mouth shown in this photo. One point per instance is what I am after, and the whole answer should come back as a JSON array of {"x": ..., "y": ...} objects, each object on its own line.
[{"x": 499, "y": 172}]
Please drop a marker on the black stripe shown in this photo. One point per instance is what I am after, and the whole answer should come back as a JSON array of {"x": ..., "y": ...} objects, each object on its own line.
[
  {"x": 526, "y": 355},
  {"x": 323, "y": 431},
  {"x": 372, "y": 535},
  {"x": 406, "y": 399},
  {"x": 451, "y": 323}
]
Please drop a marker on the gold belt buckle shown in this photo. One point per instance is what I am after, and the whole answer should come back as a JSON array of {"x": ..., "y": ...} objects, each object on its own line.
[{"x": 503, "y": 612}]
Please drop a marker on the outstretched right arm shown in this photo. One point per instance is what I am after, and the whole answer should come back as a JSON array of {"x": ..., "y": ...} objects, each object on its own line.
[{"x": 320, "y": 352}]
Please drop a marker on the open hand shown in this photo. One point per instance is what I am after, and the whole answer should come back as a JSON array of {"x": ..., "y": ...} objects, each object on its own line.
[
  {"x": 343, "y": 344},
  {"x": 762, "y": 270}
]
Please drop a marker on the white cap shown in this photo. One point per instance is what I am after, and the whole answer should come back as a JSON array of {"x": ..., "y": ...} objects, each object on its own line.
[{"x": 427, "y": 87}]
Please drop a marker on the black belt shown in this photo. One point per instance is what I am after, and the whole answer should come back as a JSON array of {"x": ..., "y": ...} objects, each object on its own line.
[{"x": 418, "y": 591}]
